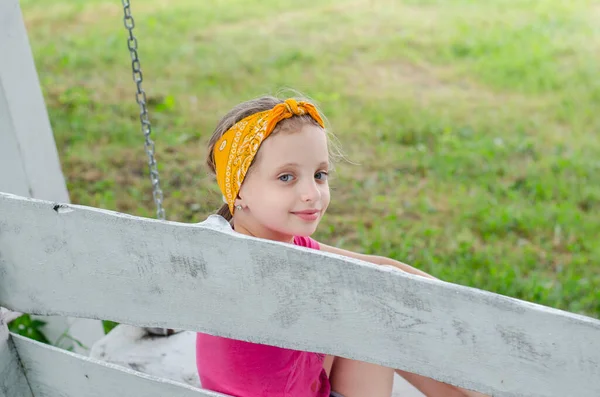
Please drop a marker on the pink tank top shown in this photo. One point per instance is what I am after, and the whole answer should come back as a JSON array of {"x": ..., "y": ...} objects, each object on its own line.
[{"x": 244, "y": 369}]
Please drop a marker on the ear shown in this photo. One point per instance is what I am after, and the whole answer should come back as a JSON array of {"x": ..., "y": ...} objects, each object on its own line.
[{"x": 239, "y": 201}]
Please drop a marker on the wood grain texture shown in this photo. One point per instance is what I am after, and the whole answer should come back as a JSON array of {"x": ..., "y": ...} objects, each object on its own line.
[
  {"x": 55, "y": 372},
  {"x": 79, "y": 261},
  {"x": 13, "y": 382},
  {"x": 29, "y": 164}
]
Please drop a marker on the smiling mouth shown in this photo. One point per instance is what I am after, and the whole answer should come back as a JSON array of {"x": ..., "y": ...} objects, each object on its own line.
[
  {"x": 307, "y": 212},
  {"x": 308, "y": 215}
]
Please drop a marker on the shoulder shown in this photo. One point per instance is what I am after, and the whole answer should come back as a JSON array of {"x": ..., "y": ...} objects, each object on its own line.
[
  {"x": 217, "y": 222},
  {"x": 311, "y": 243},
  {"x": 347, "y": 253},
  {"x": 307, "y": 242}
]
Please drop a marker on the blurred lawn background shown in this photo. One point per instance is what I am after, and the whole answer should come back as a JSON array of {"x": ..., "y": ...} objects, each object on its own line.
[{"x": 474, "y": 123}]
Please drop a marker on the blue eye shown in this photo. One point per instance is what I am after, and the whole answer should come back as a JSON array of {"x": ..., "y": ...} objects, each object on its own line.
[
  {"x": 285, "y": 178},
  {"x": 323, "y": 175}
]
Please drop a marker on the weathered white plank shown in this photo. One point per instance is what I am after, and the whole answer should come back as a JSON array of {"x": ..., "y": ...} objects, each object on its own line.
[
  {"x": 29, "y": 164},
  {"x": 12, "y": 172},
  {"x": 55, "y": 372},
  {"x": 8, "y": 315},
  {"x": 13, "y": 382},
  {"x": 79, "y": 261}
]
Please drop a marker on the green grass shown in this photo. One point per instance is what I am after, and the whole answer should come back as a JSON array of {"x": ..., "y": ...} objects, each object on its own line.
[{"x": 474, "y": 123}]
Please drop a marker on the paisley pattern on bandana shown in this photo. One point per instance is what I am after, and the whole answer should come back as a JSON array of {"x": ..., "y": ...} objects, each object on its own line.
[{"x": 235, "y": 150}]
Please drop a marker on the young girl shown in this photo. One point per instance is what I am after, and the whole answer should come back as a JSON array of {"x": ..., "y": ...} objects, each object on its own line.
[{"x": 271, "y": 159}]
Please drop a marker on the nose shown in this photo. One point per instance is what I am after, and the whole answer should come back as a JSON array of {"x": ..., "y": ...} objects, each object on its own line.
[{"x": 310, "y": 191}]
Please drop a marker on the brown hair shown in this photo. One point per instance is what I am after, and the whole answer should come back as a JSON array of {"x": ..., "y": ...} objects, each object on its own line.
[{"x": 249, "y": 108}]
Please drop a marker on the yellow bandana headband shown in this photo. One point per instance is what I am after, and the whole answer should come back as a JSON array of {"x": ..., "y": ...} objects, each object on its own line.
[{"x": 235, "y": 150}]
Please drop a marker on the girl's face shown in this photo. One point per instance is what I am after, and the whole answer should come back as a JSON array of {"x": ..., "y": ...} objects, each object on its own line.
[{"x": 286, "y": 192}]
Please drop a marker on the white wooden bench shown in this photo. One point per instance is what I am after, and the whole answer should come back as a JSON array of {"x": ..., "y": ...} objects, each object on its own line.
[
  {"x": 80, "y": 262},
  {"x": 77, "y": 261}
]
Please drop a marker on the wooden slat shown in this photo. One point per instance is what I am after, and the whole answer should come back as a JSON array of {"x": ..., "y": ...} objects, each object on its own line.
[
  {"x": 29, "y": 164},
  {"x": 80, "y": 261},
  {"x": 13, "y": 178},
  {"x": 13, "y": 382},
  {"x": 56, "y": 372},
  {"x": 8, "y": 315}
]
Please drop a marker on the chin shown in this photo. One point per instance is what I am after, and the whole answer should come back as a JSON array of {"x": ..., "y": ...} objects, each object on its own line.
[
  {"x": 305, "y": 230},
  {"x": 294, "y": 227}
]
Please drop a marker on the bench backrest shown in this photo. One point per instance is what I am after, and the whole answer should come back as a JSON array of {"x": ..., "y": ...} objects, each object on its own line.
[{"x": 78, "y": 261}]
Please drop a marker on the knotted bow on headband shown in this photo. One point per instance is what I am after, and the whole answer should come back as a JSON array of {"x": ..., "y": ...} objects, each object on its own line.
[{"x": 235, "y": 150}]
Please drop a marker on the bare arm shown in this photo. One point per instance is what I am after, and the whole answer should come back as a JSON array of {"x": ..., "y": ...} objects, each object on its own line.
[
  {"x": 378, "y": 260},
  {"x": 429, "y": 387},
  {"x": 433, "y": 388}
]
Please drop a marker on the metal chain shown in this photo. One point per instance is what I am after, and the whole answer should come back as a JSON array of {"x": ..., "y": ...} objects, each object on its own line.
[{"x": 140, "y": 98}]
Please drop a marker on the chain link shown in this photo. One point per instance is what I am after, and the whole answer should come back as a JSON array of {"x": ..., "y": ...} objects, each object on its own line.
[{"x": 140, "y": 98}]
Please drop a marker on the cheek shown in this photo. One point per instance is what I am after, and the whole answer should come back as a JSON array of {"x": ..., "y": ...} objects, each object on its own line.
[
  {"x": 251, "y": 190},
  {"x": 263, "y": 197},
  {"x": 326, "y": 195}
]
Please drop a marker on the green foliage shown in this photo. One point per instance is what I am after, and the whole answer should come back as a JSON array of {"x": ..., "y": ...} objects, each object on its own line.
[
  {"x": 26, "y": 326},
  {"x": 474, "y": 123},
  {"x": 108, "y": 326}
]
